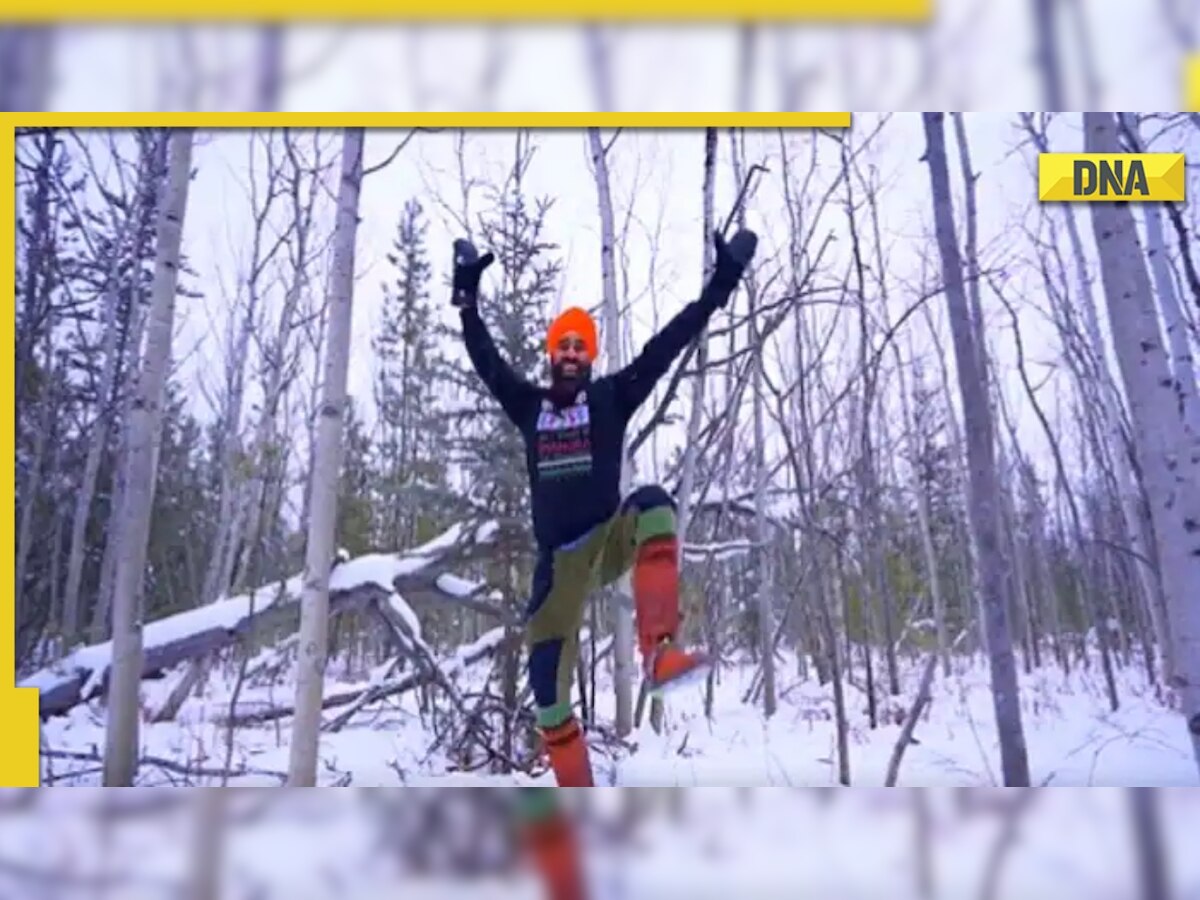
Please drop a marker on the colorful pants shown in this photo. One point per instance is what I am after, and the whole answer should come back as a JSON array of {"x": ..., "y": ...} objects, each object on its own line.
[{"x": 562, "y": 582}]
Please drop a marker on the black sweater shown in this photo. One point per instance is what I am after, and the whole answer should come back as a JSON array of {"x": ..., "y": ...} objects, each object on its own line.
[{"x": 573, "y": 453}]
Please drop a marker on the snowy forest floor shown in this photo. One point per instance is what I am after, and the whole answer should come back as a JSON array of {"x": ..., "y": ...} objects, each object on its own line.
[{"x": 1073, "y": 738}]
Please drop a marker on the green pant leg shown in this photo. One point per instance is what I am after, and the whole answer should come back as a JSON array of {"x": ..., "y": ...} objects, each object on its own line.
[
  {"x": 553, "y": 629},
  {"x": 647, "y": 513}
]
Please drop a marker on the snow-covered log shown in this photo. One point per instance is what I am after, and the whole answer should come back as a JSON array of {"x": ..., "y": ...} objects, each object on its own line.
[{"x": 418, "y": 575}]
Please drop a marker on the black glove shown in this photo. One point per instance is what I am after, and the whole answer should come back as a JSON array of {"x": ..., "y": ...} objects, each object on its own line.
[
  {"x": 468, "y": 269},
  {"x": 732, "y": 260}
]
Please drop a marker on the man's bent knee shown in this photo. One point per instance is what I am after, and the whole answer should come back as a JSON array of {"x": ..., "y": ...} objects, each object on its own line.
[
  {"x": 655, "y": 511},
  {"x": 648, "y": 497}
]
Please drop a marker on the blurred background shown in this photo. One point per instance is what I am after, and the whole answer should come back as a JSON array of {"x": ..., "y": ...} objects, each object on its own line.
[
  {"x": 974, "y": 55},
  {"x": 697, "y": 843}
]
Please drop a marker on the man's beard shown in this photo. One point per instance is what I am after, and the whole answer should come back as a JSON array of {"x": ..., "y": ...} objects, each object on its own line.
[{"x": 563, "y": 387}]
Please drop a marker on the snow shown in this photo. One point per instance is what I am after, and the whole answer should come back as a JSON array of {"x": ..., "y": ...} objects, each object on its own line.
[
  {"x": 1073, "y": 738},
  {"x": 457, "y": 587},
  {"x": 405, "y": 612}
]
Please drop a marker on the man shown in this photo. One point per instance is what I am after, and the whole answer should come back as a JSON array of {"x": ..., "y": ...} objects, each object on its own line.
[{"x": 587, "y": 535}]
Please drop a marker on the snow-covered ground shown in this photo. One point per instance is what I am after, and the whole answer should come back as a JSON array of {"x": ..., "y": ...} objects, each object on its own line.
[{"x": 1073, "y": 738}]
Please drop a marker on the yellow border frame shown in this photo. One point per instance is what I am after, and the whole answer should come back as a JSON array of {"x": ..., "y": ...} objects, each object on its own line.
[
  {"x": 19, "y": 762},
  {"x": 532, "y": 120},
  {"x": 1191, "y": 84},
  {"x": 474, "y": 11},
  {"x": 20, "y": 741}
]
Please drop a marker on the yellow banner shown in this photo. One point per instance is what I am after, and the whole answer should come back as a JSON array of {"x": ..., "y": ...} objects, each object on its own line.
[
  {"x": 18, "y": 707},
  {"x": 1076, "y": 177},
  {"x": 1191, "y": 88},
  {"x": 524, "y": 120},
  {"x": 905, "y": 11}
]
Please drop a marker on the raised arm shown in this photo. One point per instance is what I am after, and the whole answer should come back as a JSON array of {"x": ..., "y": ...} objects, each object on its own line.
[
  {"x": 635, "y": 382},
  {"x": 513, "y": 392}
]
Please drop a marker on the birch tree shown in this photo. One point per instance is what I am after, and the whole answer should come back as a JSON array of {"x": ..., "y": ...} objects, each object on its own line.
[
  {"x": 314, "y": 615},
  {"x": 1113, "y": 418},
  {"x": 763, "y": 602},
  {"x": 110, "y": 350},
  {"x": 144, "y": 424},
  {"x": 982, "y": 483},
  {"x": 1168, "y": 452},
  {"x": 687, "y": 478},
  {"x": 622, "y": 613}
]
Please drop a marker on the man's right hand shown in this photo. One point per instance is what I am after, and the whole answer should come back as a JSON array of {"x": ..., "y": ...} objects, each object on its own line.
[
  {"x": 468, "y": 270},
  {"x": 732, "y": 260}
]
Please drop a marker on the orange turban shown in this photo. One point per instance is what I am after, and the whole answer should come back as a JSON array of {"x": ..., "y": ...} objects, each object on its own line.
[{"x": 577, "y": 320}]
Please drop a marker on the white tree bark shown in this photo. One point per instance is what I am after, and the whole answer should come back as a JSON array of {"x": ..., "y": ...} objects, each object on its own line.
[
  {"x": 766, "y": 617},
  {"x": 1113, "y": 417},
  {"x": 918, "y": 489},
  {"x": 983, "y": 490},
  {"x": 26, "y": 67},
  {"x": 687, "y": 478},
  {"x": 139, "y": 316},
  {"x": 314, "y": 618},
  {"x": 1182, "y": 362},
  {"x": 622, "y": 612},
  {"x": 208, "y": 840},
  {"x": 91, "y": 466},
  {"x": 141, "y": 460},
  {"x": 1168, "y": 452},
  {"x": 248, "y": 515}
]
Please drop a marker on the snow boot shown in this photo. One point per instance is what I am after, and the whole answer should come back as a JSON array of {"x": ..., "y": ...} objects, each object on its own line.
[
  {"x": 551, "y": 846},
  {"x": 656, "y": 600},
  {"x": 568, "y": 752}
]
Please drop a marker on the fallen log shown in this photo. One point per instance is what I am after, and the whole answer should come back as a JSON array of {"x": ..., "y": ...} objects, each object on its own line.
[{"x": 420, "y": 574}]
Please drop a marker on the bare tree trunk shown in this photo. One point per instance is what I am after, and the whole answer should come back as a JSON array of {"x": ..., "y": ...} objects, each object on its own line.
[
  {"x": 927, "y": 551},
  {"x": 868, "y": 475},
  {"x": 91, "y": 466},
  {"x": 33, "y": 482},
  {"x": 1046, "y": 54},
  {"x": 208, "y": 837},
  {"x": 967, "y": 552},
  {"x": 314, "y": 616},
  {"x": 622, "y": 615},
  {"x": 138, "y": 316},
  {"x": 268, "y": 85},
  {"x": 1145, "y": 820},
  {"x": 248, "y": 525},
  {"x": 687, "y": 478},
  {"x": 26, "y": 58},
  {"x": 1182, "y": 363},
  {"x": 1168, "y": 453},
  {"x": 141, "y": 459},
  {"x": 1113, "y": 418},
  {"x": 983, "y": 492}
]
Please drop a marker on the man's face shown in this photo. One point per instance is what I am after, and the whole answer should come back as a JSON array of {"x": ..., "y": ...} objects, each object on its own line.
[{"x": 571, "y": 359}]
